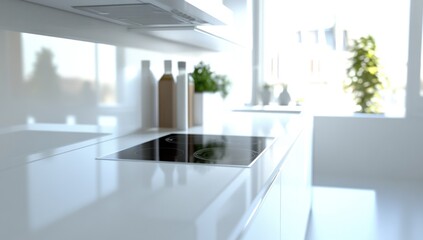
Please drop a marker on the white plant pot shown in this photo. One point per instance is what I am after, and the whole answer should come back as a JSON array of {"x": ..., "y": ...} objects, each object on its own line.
[
  {"x": 266, "y": 96},
  {"x": 207, "y": 107}
]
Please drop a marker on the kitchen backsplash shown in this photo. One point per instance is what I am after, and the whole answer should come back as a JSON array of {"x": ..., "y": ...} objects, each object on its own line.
[
  {"x": 54, "y": 80},
  {"x": 64, "y": 69}
]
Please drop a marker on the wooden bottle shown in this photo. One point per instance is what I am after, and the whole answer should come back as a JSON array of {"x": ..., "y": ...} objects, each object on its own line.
[{"x": 167, "y": 98}]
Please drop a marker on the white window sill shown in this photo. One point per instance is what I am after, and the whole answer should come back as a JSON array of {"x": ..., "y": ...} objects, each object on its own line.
[{"x": 270, "y": 108}]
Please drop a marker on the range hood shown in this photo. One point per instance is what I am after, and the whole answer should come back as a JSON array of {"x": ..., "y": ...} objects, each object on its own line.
[{"x": 148, "y": 13}]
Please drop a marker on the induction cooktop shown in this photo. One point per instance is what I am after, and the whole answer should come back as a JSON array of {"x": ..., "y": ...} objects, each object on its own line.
[{"x": 227, "y": 150}]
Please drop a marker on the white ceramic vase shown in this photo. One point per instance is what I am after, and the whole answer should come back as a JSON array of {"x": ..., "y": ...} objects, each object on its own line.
[{"x": 284, "y": 97}]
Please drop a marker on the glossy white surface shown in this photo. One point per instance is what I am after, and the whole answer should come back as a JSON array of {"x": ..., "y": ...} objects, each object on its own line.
[
  {"x": 284, "y": 211},
  {"x": 266, "y": 224},
  {"x": 74, "y": 196},
  {"x": 52, "y": 80},
  {"x": 369, "y": 210},
  {"x": 24, "y": 146},
  {"x": 61, "y": 68},
  {"x": 392, "y": 154}
]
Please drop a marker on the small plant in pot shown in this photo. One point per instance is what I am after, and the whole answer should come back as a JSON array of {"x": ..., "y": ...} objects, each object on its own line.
[
  {"x": 207, "y": 106},
  {"x": 365, "y": 79},
  {"x": 207, "y": 81},
  {"x": 266, "y": 94}
]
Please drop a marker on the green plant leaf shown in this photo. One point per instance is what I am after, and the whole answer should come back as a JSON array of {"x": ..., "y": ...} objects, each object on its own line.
[
  {"x": 364, "y": 75},
  {"x": 207, "y": 81}
]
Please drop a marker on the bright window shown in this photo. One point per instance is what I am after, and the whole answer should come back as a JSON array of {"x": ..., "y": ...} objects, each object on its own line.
[{"x": 305, "y": 47}]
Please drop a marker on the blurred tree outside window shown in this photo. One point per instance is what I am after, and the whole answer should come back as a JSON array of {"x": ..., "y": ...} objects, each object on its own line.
[{"x": 306, "y": 47}]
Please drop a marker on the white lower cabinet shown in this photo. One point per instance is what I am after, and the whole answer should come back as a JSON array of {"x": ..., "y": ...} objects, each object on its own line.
[
  {"x": 266, "y": 224},
  {"x": 296, "y": 189},
  {"x": 284, "y": 212}
]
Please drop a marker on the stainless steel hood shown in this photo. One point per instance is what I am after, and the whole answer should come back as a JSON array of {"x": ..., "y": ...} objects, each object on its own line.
[{"x": 148, "y": 13}]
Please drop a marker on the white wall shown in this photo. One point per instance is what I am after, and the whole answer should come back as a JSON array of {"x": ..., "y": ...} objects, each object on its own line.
[
  {"x": 17, "y": 104},
  {"x": 361, "y": 148}
]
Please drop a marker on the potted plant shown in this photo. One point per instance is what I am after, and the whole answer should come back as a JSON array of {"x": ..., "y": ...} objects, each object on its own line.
[
  {"x": 206, "y": 84},
  {"x": 207, "y": 81},
  {"x": 266, "y": 94},
  {"x": 365, "y": 79}
]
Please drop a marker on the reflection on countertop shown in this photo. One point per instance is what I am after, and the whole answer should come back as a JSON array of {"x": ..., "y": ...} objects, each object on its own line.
[{"x": 86, "y": 198}]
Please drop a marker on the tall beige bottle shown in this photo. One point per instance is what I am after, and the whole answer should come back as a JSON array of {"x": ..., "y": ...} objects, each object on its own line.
[{"x": 167, "y": 98}]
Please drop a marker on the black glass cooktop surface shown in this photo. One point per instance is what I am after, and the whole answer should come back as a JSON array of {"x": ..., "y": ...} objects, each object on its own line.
[{"x": 197, "y": 148}]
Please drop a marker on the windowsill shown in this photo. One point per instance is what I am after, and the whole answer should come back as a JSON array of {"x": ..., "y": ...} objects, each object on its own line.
[
  {"x": 359, "y": 115},
  {"x": 270, "y": 108},
  {"x": 274, "y": 108}
]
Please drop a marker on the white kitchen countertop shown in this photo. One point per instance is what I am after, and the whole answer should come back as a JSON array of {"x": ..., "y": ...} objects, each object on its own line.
[{"x": 72, "y": 195}]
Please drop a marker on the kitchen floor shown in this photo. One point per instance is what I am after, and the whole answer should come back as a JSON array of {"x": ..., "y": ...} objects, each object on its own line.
[{"x": 372, "y": 211}]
